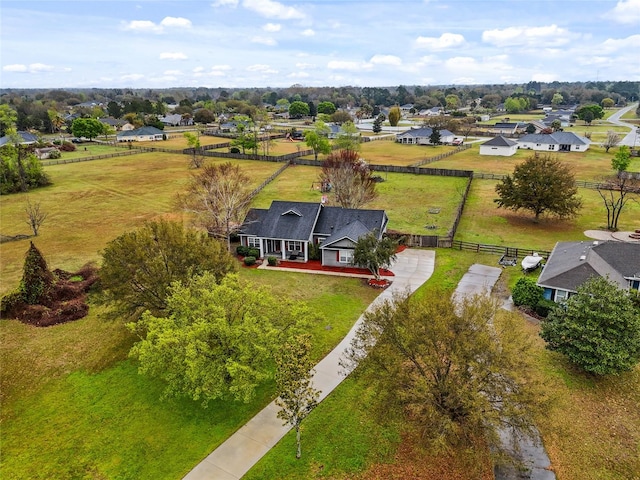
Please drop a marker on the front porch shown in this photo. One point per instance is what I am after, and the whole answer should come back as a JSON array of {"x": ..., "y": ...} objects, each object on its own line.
[{"x": 289, "y": 250}]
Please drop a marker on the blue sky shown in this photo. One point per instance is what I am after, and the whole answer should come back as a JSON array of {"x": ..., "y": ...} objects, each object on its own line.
[{"x": 261, "y": 43}]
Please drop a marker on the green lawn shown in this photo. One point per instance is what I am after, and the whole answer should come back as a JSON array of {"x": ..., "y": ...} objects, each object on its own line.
[
  {"x": 90, "y": 203},
  {"x": 383, "y": 152},
  {"x": 88, "y": 150}
]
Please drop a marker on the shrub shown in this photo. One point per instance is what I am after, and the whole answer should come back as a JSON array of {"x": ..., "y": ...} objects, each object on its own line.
[
  {"x": 68, "y": 147},
  {"x": 314, "y": 251},
  {"x": 248, "y": 261},
  {"x": 272, "y": 261},
  {"x": 234, "y": 150},
  {"x": 242, "y": 250},
  {"x": 526, "y": 292},
  {"x": 55, "y": 154},
  {"x": 253, "y": 252},
  {"x": 544, "y": 306}
]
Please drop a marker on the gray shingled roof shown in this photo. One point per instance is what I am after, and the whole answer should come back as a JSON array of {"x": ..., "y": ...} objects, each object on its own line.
[
  {"x": 148, "y": 130},
  {"x": 289, "y": 220},
  {"x": 500, "y": 141},
  {"x": 25, "y": 136},
  {"x": 423, "y": 132},
  {"x": 573, "y": 263},
  {"x": 555, "y": 138}
]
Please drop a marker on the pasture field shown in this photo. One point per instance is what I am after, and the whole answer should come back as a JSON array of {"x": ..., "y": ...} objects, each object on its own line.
[
  {"x": 91, "y": 203},
  {"x": 88, "y": 149},
  {"x": 406, "y": 198},
  {"x": 589, "y": 166},
  {"x": 384, "y": 152},
  {"x": 482, "y": 222},
  {"x": 178, "y": 141}
]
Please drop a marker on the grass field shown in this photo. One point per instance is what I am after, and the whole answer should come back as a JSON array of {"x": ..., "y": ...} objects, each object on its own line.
[
  {"x": 384, "y": 152},
  {"x": 178, "y": 141},
  {"x": 406, "y": 198},
  {"x": 91, "y": 203}
]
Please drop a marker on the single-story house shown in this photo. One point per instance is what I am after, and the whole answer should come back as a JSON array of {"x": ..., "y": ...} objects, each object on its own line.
[
  {"x": 287, "y": 230},
  {"x": 175, "y": 120},
  {"x": 499, "y": 146},
  {"x": 573, "y": 263},
  {"x": 421, "y": 136},
  {"x": 25, "y": 138},
  {"x": 44, "y": 153},
  {"x": 115, "y": 123},
  {"x": 554, "y": 142},
  {"x": 142, "y": 134}
]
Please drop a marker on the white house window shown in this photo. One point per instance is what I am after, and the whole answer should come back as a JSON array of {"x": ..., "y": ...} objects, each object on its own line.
[
  {"x": 253, "y": 242},
  {"x": 561, "y": 295},
  {"x": 345, "y": 256},
  {"x": 293, "y": 246}
]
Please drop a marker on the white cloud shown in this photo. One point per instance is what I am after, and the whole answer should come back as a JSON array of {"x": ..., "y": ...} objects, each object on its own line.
[
  {"x": 625, "y": 11},
  {"x": 261, "y": 68},
  {"x": 132, "y": 76},
  {"x": 345, "y": 65},
  {"x": 176, "y": 22},
  {"x": 172, "y": 72},
  {"x": 271, "y": 9},
  {"x": 142, "y": 26},
  {"x": 272, "y": 27},
  {"x": 264, "y": 40},
  {"x": 304, "y": 66},
  {"x": 225, "y": 3},
  {"x": 443, "y": 42},
  {"x": 198, "y": 69},
  {"x": 308, "y": 33},
  {"x": 16, "y": 67},
  {"x": 550, "y": 35},
  {"x": 31, "y": 68},
  {"x": 613, "y": 45},
  {"x": 299, "y": 75},
  {"x": 173, "y": 56},
  {"x": 221, "y": 67},
  {"x": 385, "y": 60}
]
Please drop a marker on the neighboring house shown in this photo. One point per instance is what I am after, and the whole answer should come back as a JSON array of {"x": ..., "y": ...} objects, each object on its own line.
[
  {"x": 499, "y": 146},
  {"x": 421, "y": 136},
  {"x": 175, "y": 120},
  {"x": 286, "y": 230},
  {"x": 142, "y": 134},
  {"x": 334, "y": 131},
  {"x": 114, "y": 123},
  {"x": 406, "y": 108},
  {"x": 507, "y": 128},
  {"x": 26, "y": 138},
  {"x": 127, "y": 127},
  {"x": 573, "y": 263},
  {"x": 43, "y": 153},
  {"x": 554, "y": 142}
]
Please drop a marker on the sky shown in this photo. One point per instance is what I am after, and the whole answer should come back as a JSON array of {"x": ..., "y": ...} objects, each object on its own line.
[{"x": 269, "y": 43}]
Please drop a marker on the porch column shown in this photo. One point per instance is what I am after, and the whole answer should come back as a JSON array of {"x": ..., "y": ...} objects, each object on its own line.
[
  {"x": 305, "y": 247},
  {"x": 283, "y": 250},
  {"x": 262, "y": 241}
]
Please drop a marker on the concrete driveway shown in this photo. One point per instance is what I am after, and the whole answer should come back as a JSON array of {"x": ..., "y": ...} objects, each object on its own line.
[{"x": 233, "y": 458}]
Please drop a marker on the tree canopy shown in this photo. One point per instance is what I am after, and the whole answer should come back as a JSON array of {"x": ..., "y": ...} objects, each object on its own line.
[
  {"x": 350, "y": 178},
  {"x": 598, "y": 329},
  {"x": 298, "y": 109},
  {"x": 348, "y": 137},
  {"x": 454, "y": 369},
  {"x": 588, "y": 113},
  {"x": 373, "y": 253},
  {"x": 541, "y": 184},
  {"x": 317, "y": 142},
  {"x": 218, "y": 339},
  {"x": 87, "y": 127},
  {"x": 138, "y": 267},
  {"x": 394, "y": 115},
  {"x": 326, "y": 107},
  {"x": 218, "y": 196}
]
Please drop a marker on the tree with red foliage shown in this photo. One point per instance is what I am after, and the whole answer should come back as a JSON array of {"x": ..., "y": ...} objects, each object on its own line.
[{"x": 349, "y": 177}]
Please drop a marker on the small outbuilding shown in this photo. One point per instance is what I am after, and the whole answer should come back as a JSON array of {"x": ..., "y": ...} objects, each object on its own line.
[{"x": 499, "y": 146}]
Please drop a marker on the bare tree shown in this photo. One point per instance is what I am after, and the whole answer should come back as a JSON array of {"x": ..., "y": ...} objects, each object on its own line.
[
  {"x": 36, "y": 216},
  {"x": 219, "y": 197},
  {"x": 349, "y": 177},
  {"x": 615, "y": 192},
  {"x": 193, "y": 140},
  {"x": 612, "y": 140}
]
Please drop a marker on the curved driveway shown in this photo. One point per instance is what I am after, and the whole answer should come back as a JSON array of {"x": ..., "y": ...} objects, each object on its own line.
[
  {"x": 631, "y": 138},
  {"x": 233, "y": 458}
]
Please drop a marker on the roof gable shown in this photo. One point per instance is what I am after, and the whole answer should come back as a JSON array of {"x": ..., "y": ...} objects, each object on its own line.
[{"x": 500, "y": 141}]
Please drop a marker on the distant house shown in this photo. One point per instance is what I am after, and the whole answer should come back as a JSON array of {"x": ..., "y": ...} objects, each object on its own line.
[
  {"x": 175, "y": 120},
  {"x": 433, "y": 112},
  {"x": 287, "y": 230},
  {"x": 499, "y": 146},
  {"x": 25, "y": 138},
  {"x": 114, "y": 123},
  {"x": 554, "y": 142},
  {"x": 43, "y": 153},
  {"x": 573, "y": 263},
  {"x": 422, "y": 136},
  {"x": 142, "y": 134}
]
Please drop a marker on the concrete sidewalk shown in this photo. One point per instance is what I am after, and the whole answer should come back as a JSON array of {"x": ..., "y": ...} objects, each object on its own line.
[{"x": 233, "y": 458}]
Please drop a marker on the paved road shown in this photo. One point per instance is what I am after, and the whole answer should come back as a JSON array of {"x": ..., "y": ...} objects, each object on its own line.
[
  {"x": 633, "y": 137},
  {"x": 232, "y": 459}
]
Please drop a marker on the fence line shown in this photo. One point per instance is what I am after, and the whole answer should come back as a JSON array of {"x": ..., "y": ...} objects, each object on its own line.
[
  {"x": 579, "y": 183},
  {"x": 258, "y": 189},
  {"x": 452, "y": 231},
  {"x": 47, "y": 163},
  {"x": 459, "y": 149},
  {"x": 515, "y": 252}
]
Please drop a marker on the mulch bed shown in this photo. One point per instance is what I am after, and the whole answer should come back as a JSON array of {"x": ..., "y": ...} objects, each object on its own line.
[{"x": 316, "y": 265}]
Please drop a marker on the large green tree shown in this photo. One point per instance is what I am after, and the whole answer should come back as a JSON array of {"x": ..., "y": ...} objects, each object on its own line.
[
  {"x": 138, "y": 267},
  {"x": 296, "y": 395},
  {"x": 326, "y": 107},
  {"x": 298, "y": 109},
  {"x": 348, "y": 137},
  {"x": 455, "y": 369},
  {"x": 598, "y": 329},
  {"x": 541, "y": 184},
  {"x": 219, "y": 338},
  {"x": 374, "y": 253},
  {"x": 87, "y": 127},
  {"x": 588, "y": 113},
  {"x": 394, "y": 116},
  {"x": 218, "y": 196},
  {"x": 317, "y": 142}
]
